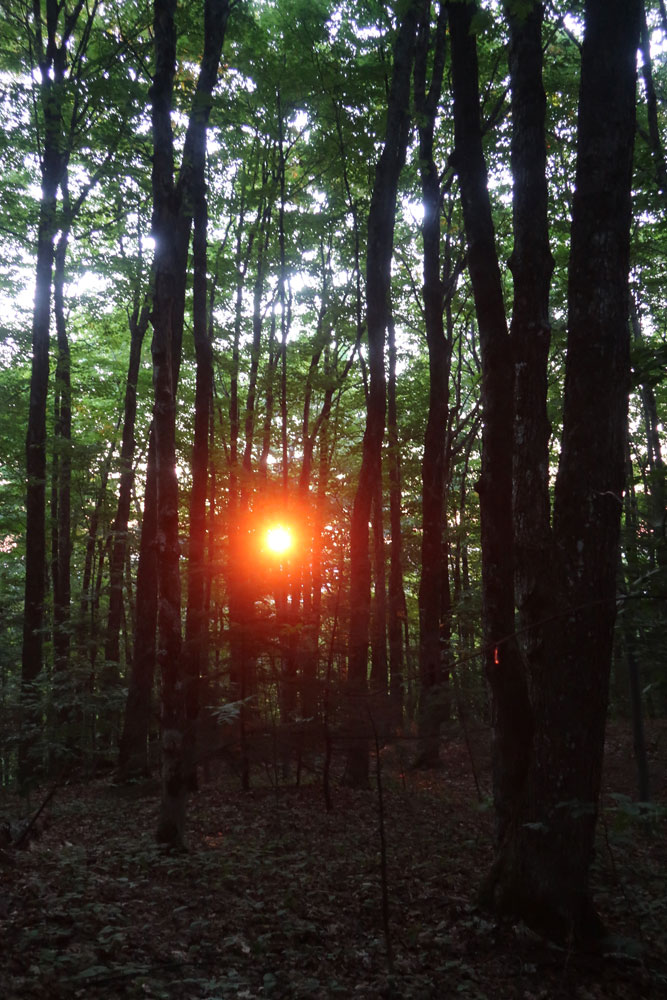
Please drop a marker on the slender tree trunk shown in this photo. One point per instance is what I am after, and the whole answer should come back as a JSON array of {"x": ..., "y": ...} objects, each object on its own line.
[
  {"x": 397, "y": 608},
  {"x": 432, "y": 666},
  {"x": 173, "y": 207},
  {"x": 193, "y": 171},
  {"x": 133, "y": 750},
  {"x": 501, "y": 657},
  {"x": 61, "y": 483},
  {"x": 378, "y": 264},
  {"x": 52, "y": 62},
  {"x": 655, "y": 139},
  {"x": 255, "y": 350},
  {"x": 656, "y": 465},
  {"x": 378, "y": 629},
  {"x": 196, "y": 628},
  {"x": 138, "y": 325},
  {"x": 628, "y": 629},
  {"x": 166, "y": 279}
]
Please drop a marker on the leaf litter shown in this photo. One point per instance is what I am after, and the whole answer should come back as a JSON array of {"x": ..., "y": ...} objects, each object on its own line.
[{"x": 278, "y": 898}]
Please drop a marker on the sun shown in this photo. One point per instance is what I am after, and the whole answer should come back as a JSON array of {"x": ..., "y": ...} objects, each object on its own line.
[{"x": 279, "y": 539}]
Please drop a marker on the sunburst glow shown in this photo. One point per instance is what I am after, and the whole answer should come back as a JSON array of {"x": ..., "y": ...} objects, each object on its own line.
[{"x": 279, "y": 539}]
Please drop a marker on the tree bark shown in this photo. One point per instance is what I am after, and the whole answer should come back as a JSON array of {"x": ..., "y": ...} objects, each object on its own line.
[
  {"x": 655, "y": 139},
  {"x": 396, "y": 604},
  {"x": 378, "y": 264},
  {"x": 133, "y": 750},
  {"x": 196, "y": 628},
  {"x": 656, "y": 465},
  {"x": 173, "y": 207},
  {"x": 52, "y": 60},
  {"x": 61, "y": 546},
  {"x": 542, "y": 870},
  {"x": 432, "y": 666},
  {"x": 378, "y": 628},
  {"x": 138, "y": 323},
  {"x": 501, "y": 657}
]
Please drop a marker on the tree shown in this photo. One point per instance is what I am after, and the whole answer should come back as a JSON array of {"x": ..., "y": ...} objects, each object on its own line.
[
  {"x": 549, "y": 720},
  {"x": 433, "y": 671},
  {"x": 51, "y": 55},
  {"x": 378, "y": 262}
]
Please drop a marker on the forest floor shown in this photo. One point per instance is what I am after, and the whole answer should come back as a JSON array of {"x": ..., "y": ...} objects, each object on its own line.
[{"x": 277, "y": 898}]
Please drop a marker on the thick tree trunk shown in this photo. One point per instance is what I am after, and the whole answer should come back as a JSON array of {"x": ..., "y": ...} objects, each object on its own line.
[
  {"x": 542, "y": 870},
  {"x": 378, "y": 264}
]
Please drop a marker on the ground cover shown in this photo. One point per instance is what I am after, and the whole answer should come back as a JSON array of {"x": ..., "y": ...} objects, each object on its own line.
[{"x": 278, "y": 898}]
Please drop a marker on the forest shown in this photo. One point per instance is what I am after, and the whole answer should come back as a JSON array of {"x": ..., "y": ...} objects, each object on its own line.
[{"x": 333, "y": 341}]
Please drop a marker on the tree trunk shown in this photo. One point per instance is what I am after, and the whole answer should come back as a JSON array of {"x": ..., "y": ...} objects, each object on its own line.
[
  {"x": 61, "y": 486},
  {"x": 52, "y": 62},
  {"x": 378, "y": 629},
  {"x": 378, "y": 265},
  {"x": 196, "y": 627},
  {"x": 171, "y": 822},
  {"x": 502, "y": 661},
  {"x": 656, "y": 465},
  {"x": 655, "y": 139},
  {"x": 397, "y": 608},
  {"x": 432, "y": 668},
  {"x": 138, "y": 326},
  {"x": 133, "y": 749},
  {"x": 542, "y": 870},
  {"x": 173, "y": 207}
]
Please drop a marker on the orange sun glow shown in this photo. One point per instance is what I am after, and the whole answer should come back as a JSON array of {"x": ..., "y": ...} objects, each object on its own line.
[{"x": 279, "y": 539}]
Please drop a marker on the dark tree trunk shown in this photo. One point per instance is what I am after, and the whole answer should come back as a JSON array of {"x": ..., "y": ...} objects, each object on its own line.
[
  {"x": 432, "y": 666},
  {"x": 542, "y": 870},
  {"x": 133, "y": 750},
  {"x": 628, "y": 630},
  {"x": 173, "y": 206},
  {"x": 656, "y": 465},
  {"x": 255, "y": 350},
  {"x": 196, "y": 627},
  {"x": 378, "y": 630},
  {"x": 164, "y": 349},
  {"x": 378, "y": 263},
  {"x": 531, "y": 264},
  {"x": 194, "y": 196},
  {"x": 35, "y": 559},
  {"x": 138, "y": 326},
  {"x": 501, "y": 657},
  {"x": 62, "y": 477},
  {"x": 655, "y": 139},
  {"x": 52, "y": 63},
  {"x": 397, "y": 608}
]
